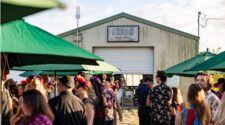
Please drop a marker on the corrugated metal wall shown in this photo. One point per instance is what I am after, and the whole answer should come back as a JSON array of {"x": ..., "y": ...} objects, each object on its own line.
[{"x": 169, "y": 48}]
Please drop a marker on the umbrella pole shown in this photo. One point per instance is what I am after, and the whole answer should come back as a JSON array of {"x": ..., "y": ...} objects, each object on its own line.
[{"x": 55, "y": 84}]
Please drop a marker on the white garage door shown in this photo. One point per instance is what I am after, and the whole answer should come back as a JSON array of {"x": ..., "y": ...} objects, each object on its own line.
[{"x": 129, "y": 60}]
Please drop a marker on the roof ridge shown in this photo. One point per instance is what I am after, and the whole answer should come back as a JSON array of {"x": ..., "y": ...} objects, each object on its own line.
[{"x": 131, "y": 17}]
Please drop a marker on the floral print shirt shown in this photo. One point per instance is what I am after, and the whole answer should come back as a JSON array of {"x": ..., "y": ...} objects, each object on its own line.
[
  {"x": 109, "y": 103},
  {"x": 160, "y": 96},
  {"x": 39, "y": 119},
  {"x": 212, "y": 100}
]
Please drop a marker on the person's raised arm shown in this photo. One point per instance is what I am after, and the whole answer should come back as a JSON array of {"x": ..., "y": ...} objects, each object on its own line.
[
  {"x": 90, "y": 113},
  {"x": 178, "y": 120}
]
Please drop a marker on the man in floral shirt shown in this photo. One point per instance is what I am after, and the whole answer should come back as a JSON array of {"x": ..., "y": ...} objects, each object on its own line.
[
  {"x": 159, "y": 98},
  {"x": 211, "y": 99}
]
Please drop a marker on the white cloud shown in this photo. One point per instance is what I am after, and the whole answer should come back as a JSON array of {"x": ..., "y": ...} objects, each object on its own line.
[
  {"x": 110, "y": 10},
  {"x": 179, "y": 14},
  {"x": 182, "y": 15}
]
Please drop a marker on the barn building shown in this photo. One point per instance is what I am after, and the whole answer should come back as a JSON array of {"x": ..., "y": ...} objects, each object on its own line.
[{"x": 137, "y": 46}]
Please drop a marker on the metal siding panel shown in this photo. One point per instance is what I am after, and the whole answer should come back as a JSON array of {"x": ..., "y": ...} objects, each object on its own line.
[{"x": 129, "y": 60}]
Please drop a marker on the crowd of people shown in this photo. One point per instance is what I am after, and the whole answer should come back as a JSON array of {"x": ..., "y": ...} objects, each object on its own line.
[
  {"x": 80, "y": 101},
  {"x": 94, "y": 101},
  {"x": 162, "y": 105}
]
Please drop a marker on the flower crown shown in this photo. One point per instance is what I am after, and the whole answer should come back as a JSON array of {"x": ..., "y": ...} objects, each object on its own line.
[
  {"x": 81, "y": 80},
  {"x": 23, "y": 82},
  {"x": 28, "y": 79},
  {"x": 96, "y": 78}
]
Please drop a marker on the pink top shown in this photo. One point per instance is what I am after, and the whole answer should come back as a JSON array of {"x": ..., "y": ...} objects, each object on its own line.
[{"x": 39, "y": 119}]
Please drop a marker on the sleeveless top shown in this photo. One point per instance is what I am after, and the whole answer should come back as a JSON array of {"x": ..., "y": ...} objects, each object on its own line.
[
  {"x": 189, "y": 115},
  {"x": 87, "y": 100}
]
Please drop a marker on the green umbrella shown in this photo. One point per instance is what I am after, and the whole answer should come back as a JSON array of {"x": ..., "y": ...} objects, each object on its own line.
[
  {"x": 219, "y": 67},
  {"x": 26, "y": 44},
  {"x": 61, "y": 73},
  {"x": 180, "y": 69},
  {"x": 101, "y": 67},
  {"x": 15, "y": 9},
  {"x": 63, "y": 69},
  {"x": 50, "y": 73},
  {"x": 215, "y": 63},
  {"x": 49, "y": 67}
]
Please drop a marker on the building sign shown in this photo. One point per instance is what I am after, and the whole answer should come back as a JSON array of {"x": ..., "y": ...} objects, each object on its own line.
[{"x": 123, "y": 33}]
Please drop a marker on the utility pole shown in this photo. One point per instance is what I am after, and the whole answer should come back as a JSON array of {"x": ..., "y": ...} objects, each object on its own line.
[
  {"x": 199, "y": 14},
  {"x": 205, "y": 20},
  {"x": 77, "y": 17}
]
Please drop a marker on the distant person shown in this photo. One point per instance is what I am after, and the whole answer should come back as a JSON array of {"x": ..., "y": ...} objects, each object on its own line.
[
  {"x": 83, "y": 74},
  {"x": 37, "y": 82},
  {"x": 109, "y": 103},
  {"x": 175, "y": 102},
  {"x": 67, "y": 108},
  {"x": 141, "y": 82},
  {"x": 115, "y": 86},
  {"x": 219, "y": 117},
  {"x": 21, "y": 87},
  {"x": 33, "y": 110},
  {"x": 12, "y": 88},
  {"x": 211, "y": 99},
  {"x": 99, "y": 118},
  {"x": 159, "y": 97},
  {"x": 148, "y": 102},
  {"x": 195, "y": 111},
  {"x": 104, "y": 78},
  {"x": 142, "y": 94},
  {"x": 221, "y": 85},
  {"x": 82, "y": 87}
]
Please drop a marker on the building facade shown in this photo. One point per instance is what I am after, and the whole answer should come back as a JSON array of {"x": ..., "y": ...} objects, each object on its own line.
[{"x": 137, "y": 46}]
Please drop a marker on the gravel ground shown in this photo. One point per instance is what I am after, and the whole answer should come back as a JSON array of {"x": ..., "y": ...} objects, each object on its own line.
[{"x": 130, "y": 116}]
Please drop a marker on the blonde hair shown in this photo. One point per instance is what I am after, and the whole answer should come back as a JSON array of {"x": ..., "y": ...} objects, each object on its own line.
[
  {"x": 220, "y": 113},
  {"x": 177, "y": 97},
  {"x": 36, "y": 83}
]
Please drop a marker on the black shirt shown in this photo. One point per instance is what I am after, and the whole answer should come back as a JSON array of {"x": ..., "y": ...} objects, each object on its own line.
[
  {"x": 160, "y": 96},
  {"x": 68, "y": 109},
  {"x": 142, "y": 94}
]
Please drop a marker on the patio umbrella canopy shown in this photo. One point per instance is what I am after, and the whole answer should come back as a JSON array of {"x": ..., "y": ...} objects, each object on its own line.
[
  {"x": 180, "y": 69},
  {"x": 61, "y": 73},
  {"x": 50, "y": 67},
  {"x": 219, "y": 67},
  {"x": 215, "y": 63},
  {"x": 15, "y": 9},
  {"x": 101, "y": 67},
  {"x": 50, "y": 73},
  {"x": 25, "y": 44}
]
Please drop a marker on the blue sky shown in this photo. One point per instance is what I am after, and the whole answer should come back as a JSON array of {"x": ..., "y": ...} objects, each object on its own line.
[{"x": 178, "y": 14}]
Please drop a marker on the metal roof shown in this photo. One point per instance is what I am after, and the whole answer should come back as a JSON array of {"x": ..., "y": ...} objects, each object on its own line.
[{"x": 134, "y": 18}]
